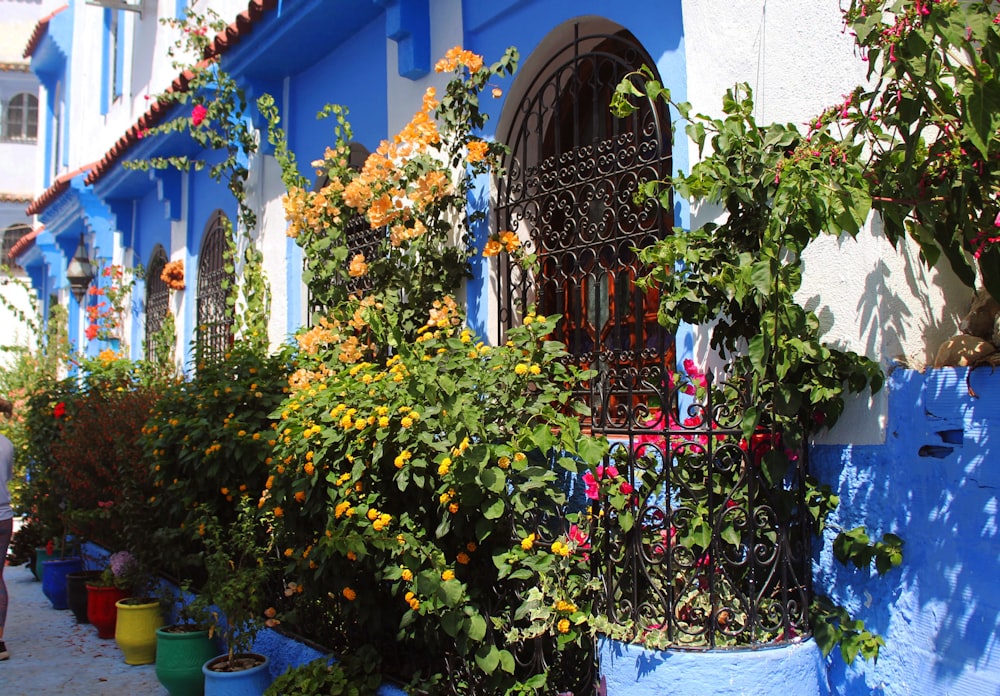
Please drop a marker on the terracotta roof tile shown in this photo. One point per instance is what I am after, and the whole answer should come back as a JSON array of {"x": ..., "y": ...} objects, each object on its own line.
[
  {"x": 21, "y": 245},
  {"x": 223, "y": 41},
  {"x": 57, "y": 188},
  {"x": 39, "y": 32}
]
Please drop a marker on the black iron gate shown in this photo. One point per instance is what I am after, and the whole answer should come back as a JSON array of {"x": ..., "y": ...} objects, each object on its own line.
[
  {"x": 215, "y": 320},
  {"x": 711, "y": 549}
]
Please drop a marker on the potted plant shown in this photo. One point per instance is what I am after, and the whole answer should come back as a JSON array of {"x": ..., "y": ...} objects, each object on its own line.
[
  {"x": 241, "y": 579},
  {"x": 106, "y": 590},
  {"x": 55, "y": 565},
  {"x": 182, "y": 647}
]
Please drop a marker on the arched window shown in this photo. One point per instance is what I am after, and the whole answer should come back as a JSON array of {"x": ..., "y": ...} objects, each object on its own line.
[
  {"x": 571, "y": 177},
  {"x": 20, "y": 120},
  {"x": 157, "y": 302},
  {"x": 215, "y": 321},
  {"x": 11, "y": 236}
]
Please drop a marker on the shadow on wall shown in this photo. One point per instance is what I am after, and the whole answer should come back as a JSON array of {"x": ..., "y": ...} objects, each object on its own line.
[{"x": 935, "y": 483}]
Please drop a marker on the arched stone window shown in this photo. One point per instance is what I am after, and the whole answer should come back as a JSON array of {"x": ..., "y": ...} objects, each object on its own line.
[
  {"x": 568, "y": 194},
  {"x": 215, "y": 321},
  {"x": 157, "y": 301},
  {"x": 20, "y": 120}
]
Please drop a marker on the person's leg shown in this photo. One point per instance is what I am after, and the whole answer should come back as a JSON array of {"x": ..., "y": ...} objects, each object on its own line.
[{"x": 6, "y": 528}]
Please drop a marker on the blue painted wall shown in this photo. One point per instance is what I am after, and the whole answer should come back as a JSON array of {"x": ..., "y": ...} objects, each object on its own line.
[
  {"x": 361, "y": 88},
  {"x": 796, "y": 670},
  {"x": 935, "y": 482}
]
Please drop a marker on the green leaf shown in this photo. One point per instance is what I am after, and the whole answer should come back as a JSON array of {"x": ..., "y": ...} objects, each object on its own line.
[
  {"x": 488, "y": 658},
  {"x": 507, "y": 661},
  {"x": 477, "y": 627},
  {"x": 492, "y": 480},
  {"x": 982, "y": 116},
  {"x": 494, "y": 510}
]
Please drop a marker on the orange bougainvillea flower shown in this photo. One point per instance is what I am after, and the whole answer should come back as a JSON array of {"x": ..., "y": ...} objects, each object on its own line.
[
  {"x": 173, "y": 274},
  {"x": 456, "y": 57},
  {"x": 477, "y": 151},
  {"x": 510, "y": 241},
  {"x": 358, "y": 267},
  {"x": 492, "y": 248}
]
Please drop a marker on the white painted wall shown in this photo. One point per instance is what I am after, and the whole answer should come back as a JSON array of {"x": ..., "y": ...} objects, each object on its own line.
[{"x": 870, "y": 298}]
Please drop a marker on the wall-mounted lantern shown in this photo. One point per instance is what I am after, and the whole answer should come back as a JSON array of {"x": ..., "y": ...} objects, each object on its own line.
[{"x": 80, "y": 272}]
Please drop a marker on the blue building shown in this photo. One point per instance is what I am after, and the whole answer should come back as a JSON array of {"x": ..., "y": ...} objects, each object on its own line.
[{"x": 572, "y": 168}]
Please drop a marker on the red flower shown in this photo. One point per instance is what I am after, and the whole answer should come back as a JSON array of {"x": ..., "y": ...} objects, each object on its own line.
[
  {"x": 60, "y": 410},
  {"x": 592, "y": 489},
  {"x": 198, "y": 114},
  {"x": 91, "y": 332}
]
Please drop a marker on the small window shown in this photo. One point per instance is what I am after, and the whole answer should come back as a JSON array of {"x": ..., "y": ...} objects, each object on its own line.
[
  {"x": 11, "y": 236},
  {"x": 215, "y": 320},
  {"x": 21, "y": 118}
]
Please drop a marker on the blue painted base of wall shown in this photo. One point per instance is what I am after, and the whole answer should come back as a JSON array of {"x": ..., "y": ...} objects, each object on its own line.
[
  {"x": 285, "y": 651},
  {"x": 936, "y": 483},
  {"x": 630, "y": 670}
]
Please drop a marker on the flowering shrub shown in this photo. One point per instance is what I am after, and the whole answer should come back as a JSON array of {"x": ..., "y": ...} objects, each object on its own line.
[
  {"x": 106, "y": 314},
  {"x": 96, "y": 456},
  {"x": 931, "y": 127},
  {"x": 208, "y": 444},
  {"x": 415, "y": 489},
  {"x": 415, "y": 187}
]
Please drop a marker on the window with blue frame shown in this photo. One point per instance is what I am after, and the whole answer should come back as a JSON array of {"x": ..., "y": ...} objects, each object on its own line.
[{"x": 113, "y": 58}]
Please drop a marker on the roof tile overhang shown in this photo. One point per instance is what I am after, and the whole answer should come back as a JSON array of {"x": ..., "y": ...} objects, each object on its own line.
[
  {"x": 24, "y": 243},
  {"x": 40, "y": 29},
  {"x": 224, "y": 40},
  {"x": 58, "y": 187}
]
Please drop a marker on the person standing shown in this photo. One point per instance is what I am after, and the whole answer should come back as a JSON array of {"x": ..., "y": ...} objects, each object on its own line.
[{"x": 6, "y": 517}]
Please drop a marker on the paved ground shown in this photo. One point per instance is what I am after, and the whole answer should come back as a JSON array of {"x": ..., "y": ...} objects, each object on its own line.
[{"x": 52, "y": 655}]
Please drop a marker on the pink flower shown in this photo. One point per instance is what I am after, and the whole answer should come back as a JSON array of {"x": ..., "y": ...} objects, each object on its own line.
[
  {"x": 996, "y": 220},
  {"x": 612, "y": 471},
  {"x": 592, "y": 488},
  {"x": 576, "y": 535},
  {"x": 626, "y": 488},
  {"x": 198, "y": 114}
]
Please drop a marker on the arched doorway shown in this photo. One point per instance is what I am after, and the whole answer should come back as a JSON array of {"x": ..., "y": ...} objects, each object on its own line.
[{"x": 568, "y": 193}]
